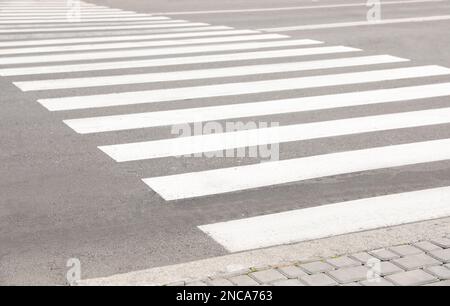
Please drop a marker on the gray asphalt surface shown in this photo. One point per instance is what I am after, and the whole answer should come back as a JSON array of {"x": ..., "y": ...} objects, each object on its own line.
[{"x": 61, "y": 197}]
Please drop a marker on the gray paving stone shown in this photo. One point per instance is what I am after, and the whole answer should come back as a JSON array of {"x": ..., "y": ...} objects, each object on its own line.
[
  {"x": 442, "y": 255},
  {"x": 427, "y": 246},
  {"x": 343, "y": 262},
  {"x": 243, "y": 280},
  {"x": 350, "y": 274},
  {"x": 292, "y": 271},
  {"x": 384, "y": 254},
  {"x": 405, "y": 250},
  {"x": 288, "y": 282},
  {"x": 442, "y": 242},
  {"x": 445, "y": 283},
  {"x": 318, "y": 280},
  {"x": 387, "y": 268},
  {"x": 362, "y": 257},
  {"x": 196, "y": 284},
  {"x": 267, "y": 276},
  {"x": 415, "y": 261},
  {"x": 380, "y": 282},
  {"x": 219, "y": 282},
  {"x": 411, "y": 278},
  {"x": 316, "y": 267},
  {"x": 440, "y": 272}
]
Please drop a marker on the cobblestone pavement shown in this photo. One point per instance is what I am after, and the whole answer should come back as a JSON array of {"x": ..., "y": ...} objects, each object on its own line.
[{"x": 412, "y": 264}]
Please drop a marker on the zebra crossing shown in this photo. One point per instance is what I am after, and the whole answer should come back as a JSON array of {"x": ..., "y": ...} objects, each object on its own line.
[{"x": 73, "y": 59}]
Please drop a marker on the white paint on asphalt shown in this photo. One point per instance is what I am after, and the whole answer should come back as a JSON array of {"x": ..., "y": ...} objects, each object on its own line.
[
  {"x": 293, "y": 8},
  {"x": 218, "y": 181},
  {"x": 64, "y": 41},
  {"x": 357, "y": 23},
  {"x": 65, "y": 21},
  {"x": 155, "y": 51},
  {"x": 125, "y": 79},
  {"x": 330, "y": 220},
  {"x": 105, "y": 28},
  {"x": 211, "y": 113},
  {"x": 173, "y": 61},
  {"x": 185, "y": 93},
  {"x": 274, "y": 135},
  {"x": 140, "y": 44}
]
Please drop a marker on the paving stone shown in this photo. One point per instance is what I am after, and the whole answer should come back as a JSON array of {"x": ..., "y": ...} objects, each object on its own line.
[
  {"x": 318, "y": 280},
  {"x": 405, "y": 250},
  {"x": 415, "y": 262},
  {"x": 387, "y": 268},
  {"x": 219, "y": 282},
  {"x": 442, "y": 242},
  {"x": 243, "y": 280},
  {"x": 196, "y": 284},
  {"x": 379, "y": 282},
  {"x": 343, "y": 262},
  {"x": 351, "y": 274},
  {"x": 292, "y": 271},
  {"x": 288, "y": 282},
  {"x": 440, "y": 272},
  {"x": 316, "y": 267},
  {"x": 384, "y": 254},
  {"x": 445, "y": 283},
  {"x": 411, "y": 278},
  {"x": 267, "y": 276},
  {"x": 442, "y": 255},
  {"x": 362, "y": 257},
  {"x": 427, "y": 246}
]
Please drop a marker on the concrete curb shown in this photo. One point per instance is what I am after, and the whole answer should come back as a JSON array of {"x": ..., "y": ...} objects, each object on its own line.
[{"x": 279, "y": 255}]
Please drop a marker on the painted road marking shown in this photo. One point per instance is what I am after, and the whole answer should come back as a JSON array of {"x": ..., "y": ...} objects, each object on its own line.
[
  {"x": 274, "y": 135},
  {"x": 211, "y": 113},
  {"x": 330, "y": 220},
  {"x": 205, "y": 73},
  {"x": 173, "y": 61},
  {"x": 166, "y": 95},
  {"x": 212, "y": 182}
]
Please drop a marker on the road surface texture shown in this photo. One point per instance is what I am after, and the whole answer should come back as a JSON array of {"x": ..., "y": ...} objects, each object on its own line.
[{"x": 89, "y": 165}]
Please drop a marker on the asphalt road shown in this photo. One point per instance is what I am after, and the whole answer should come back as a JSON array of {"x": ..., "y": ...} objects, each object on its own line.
[{"x": 61, "y": 197}]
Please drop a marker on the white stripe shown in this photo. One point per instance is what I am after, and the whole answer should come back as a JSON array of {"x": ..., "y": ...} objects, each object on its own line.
[
  {"x": 62, "y": 41},
  {"x": 57, "y": 16},
  {"x": 137, "y": 44},
  {"x": 164, "y": 95},
  {"x": 106, "y": 28},
  {"x": 63, "y": 13},
  {"x": 66, "y": 21},
  {"x": 197, "y": 184},
  {"x": 134, "y": 31},
  {"x": 211, "y": 113},
  {"x": 291, "y": 8},
  {"x": 357, "y": 23},
  {"x": 330, "y": 220},
  {"x": 154, "y": 51},
  {"x": 175, "y": 61},
  {"x": 85, "y": 25},
  {"x": 274, "y": 135},
  {"x": 205, "y": 73}
]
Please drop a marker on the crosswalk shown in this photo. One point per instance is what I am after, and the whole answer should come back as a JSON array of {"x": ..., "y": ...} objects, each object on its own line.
[{"x": 165, "y": 61}]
